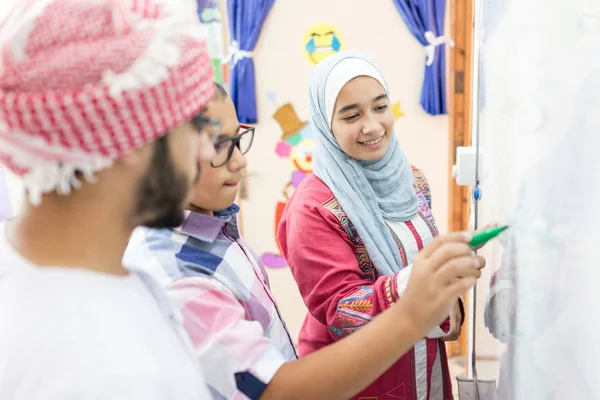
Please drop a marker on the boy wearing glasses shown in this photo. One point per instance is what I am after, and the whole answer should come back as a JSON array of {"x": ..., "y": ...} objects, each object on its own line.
[
  {"x": 213, "y": 275},
  {"x": 229, "y": 312}
]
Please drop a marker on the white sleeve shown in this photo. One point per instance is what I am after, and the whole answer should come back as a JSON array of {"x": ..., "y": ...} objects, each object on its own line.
[
  {"x": 60, "y": 373},
  {"x": 401, "y": 283},
  {"x": 69, "y": 363}
]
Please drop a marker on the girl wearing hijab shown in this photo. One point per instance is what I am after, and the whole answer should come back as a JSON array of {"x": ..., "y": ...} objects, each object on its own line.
[{"x": 352, "y": 231}]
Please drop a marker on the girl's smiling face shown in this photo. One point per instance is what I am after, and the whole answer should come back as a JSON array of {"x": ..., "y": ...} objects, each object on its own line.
[{"x": 363, "y": 119}]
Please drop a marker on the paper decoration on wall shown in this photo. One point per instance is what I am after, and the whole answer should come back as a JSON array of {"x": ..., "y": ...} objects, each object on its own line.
[
  {"x": 397, "y": 110},
  {"x": 208, "y": 11},
  {"x": 320, "y": 41},
  {"x": 272, "y": 97},
  {"x": 283, "y": 149},
  {"x": 290, "y": 123},
  {"x": 297, "y": 144},
  {"x": 210, "y": 14}
]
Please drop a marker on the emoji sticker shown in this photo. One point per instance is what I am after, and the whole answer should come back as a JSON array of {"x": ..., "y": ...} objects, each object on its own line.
[{"x": 321, "y": 41}]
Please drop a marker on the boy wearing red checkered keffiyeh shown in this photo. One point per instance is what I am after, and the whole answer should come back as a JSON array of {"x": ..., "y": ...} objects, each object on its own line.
[{"x": 96, "y": 98}]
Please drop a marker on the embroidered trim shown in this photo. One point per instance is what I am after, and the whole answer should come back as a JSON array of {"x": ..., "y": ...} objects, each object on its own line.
[
  {"x": 422, "y": 184},
  {"x": 391, "y": 292},
  {"x": 430, "y": 222},
  {"x": 424, "y": 195},
  {"x": 364, "y": 262},
  {"x": 337, "y": 331},
  {"x": 358, "y": 305},
  {"x": 352, "y": 311}
]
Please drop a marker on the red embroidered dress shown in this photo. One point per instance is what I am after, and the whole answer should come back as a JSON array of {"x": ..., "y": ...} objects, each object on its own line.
[{"x": 343, "y": 291}]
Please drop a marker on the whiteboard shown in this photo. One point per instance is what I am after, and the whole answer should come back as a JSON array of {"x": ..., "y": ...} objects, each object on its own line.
[{"x": 539, "y": 121}]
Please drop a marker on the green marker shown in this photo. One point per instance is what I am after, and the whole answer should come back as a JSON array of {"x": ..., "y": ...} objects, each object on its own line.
[{"x": 482, "y": 238}]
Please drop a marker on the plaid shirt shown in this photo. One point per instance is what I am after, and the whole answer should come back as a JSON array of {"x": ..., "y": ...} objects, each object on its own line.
[{"x": 222, "y": 290}]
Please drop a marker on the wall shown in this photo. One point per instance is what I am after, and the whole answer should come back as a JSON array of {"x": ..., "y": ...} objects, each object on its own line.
[{"x": 282, "y": 68}]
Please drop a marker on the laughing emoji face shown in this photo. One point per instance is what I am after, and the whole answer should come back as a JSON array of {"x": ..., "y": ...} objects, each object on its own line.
[{"x": 321, "y": 41}]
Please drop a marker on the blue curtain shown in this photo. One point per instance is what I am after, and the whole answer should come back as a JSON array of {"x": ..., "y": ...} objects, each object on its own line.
[
  {"x": 422, "y": 16},
  {"x": 246, "y": 18}
]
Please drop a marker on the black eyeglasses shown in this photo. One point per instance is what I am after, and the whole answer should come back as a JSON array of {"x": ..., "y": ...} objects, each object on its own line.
[{"x": 224, "y": 148}]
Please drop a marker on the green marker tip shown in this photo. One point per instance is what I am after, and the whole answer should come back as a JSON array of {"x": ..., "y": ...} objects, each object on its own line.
[{"x": 482, "y": 238}]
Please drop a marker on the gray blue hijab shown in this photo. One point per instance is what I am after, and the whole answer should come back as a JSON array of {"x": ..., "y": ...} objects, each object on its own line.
[{"x": 370, "y": 192}]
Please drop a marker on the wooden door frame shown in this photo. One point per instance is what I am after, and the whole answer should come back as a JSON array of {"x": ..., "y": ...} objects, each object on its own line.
[{"x": 460, "y": 113}]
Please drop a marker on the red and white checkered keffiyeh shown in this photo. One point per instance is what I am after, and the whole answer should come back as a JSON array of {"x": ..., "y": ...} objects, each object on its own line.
[{"x": 83, "y": 82}]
